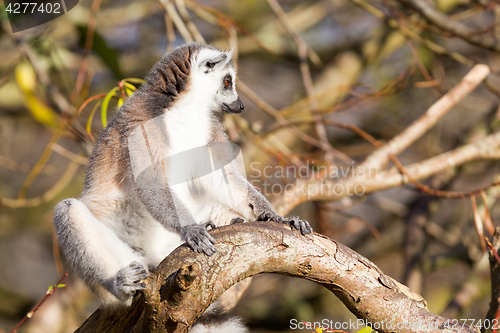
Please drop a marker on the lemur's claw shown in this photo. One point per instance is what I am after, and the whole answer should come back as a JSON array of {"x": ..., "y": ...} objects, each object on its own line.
[
  {"x": 209, "y": 224},
  {"x": 128, "y": 279},
  {"x": 269, "y": 216},
  {"x": 198, "y": 238},
  {"x": 294, "y": 221},
  {"x": 237, "y": 220},
  {"x": 298, "y": 224}
]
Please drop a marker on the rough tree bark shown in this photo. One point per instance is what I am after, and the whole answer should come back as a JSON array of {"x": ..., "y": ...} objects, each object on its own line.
[{"x": 186, "y": 283}]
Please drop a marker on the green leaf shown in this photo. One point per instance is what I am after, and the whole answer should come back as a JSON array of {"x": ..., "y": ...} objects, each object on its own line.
[
  {"x": 105, "y": 103},
  {"x": 135, "y": 80},
  {"x": 365, "y": 330},
  {"x": 128, "y": 85}
]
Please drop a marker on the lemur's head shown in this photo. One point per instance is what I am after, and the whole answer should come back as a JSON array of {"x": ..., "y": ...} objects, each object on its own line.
[
  {"x": 213, "y": 76},
  {"x": 206, "y": 74}
]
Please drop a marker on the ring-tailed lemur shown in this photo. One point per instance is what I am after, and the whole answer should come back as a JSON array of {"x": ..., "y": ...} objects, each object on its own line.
[{"x": 136, "y": 206}]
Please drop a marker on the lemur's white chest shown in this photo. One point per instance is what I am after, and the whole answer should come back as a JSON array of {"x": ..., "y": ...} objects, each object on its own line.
[{"x": 188, "y": 126}]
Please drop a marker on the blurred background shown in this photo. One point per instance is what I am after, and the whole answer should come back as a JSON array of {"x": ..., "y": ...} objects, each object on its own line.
[{"x": 377, "y": 65}]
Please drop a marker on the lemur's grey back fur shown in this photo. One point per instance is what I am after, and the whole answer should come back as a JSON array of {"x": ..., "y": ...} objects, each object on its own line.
[{"x": 123, "y": 225}]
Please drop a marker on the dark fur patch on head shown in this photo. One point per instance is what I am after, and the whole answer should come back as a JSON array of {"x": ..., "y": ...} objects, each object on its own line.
[{"x": 169, "y": 76}]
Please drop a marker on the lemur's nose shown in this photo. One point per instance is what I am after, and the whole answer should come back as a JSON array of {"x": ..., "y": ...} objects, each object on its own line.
[{"x": 234, "y": 107}]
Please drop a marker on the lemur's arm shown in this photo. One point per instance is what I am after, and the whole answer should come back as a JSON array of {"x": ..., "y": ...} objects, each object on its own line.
[
  {"x": 243, "y": 197},
  {"x": 167, "y": 209},
  {"x": 252, "y": 205}
]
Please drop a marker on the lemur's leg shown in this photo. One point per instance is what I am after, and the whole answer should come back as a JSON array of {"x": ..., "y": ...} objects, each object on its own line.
[
  {"x": 168, "y": 209},
  {"x": 95, "y": 252}
]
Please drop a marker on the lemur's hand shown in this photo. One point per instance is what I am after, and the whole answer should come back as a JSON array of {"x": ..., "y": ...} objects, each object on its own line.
[
  {"x": 129, "y": 280},
  {"x": 294, "y": 221},
  {"x": 198, "y": 238}
]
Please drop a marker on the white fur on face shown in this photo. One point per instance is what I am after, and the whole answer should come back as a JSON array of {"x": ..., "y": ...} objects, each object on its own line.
[{"x": 208, "y": 81}]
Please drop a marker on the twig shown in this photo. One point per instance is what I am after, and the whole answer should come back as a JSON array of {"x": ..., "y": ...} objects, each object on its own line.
[
  {"x": 307, "y": 51},
  {"x": 22, "y": 167},
  {"x": 440, "y": 90},
  {"x": 274, "y": 152},
  {"x": 487, "y": 148},
  {"x": 47, "y": 295},
  {"x": 437, "y": 110},
  {"x": 408, "y": 32},
  {"x": 440, "y": 193},
  {"x": 39, "y": 165},
  {"x": 303, "y": 50},
  {"x": 89, "y": 42},
  {"x": 214, "y": 16},
  {"x": 47, "y": 196},
  {"x": 443, "y": 22},
  {"x": 494, "y": 153},
  {"x": 277, "y": 115},
  {"x": 53, "y": 91},
  {"x": 179, "y": 24},
  {"x": 68, "y": 154},
  {"x": 181, "y": 7},
  {"x": 169, "y": 24}
]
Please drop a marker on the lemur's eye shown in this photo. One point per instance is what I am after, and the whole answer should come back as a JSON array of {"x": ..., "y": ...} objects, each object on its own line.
[
  {"x": 227, "y": 81},
  {"x": 210, "y": 64}
]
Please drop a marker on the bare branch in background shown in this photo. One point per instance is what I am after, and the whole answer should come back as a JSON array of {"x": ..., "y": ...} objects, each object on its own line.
[
  {"x": 413, "y": 132},
  {"x": 324, "y": 189},
  {"x": 304, "y": 49},
  {"x": 455, "y": 28},
  {"x": 49, "y": 195},
  {"x": 411, "y": 33}
]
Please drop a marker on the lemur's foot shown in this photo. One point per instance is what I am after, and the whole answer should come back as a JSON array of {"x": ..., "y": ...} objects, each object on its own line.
[
  {"x": 128, "y": 279},
  {"x": 198, "y": 238},
  {"x": 293, "y": 221},
  {"x": 237, "y": 220}
]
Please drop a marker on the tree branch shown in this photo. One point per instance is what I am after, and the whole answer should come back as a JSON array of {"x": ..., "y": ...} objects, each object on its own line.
[
  {"x": 437, "y": 110},
  {"x": 186, "y": 283},
  {"x": 369, "y": 180},
  {"x": 445, "y": 23}
]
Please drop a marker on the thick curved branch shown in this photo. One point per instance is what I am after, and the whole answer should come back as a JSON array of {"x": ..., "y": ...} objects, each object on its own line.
[{"x": 186, "y": 282}]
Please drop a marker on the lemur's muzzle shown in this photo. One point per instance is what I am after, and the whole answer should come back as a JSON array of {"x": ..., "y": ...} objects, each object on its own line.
[{"x": 234, "y": 107}]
